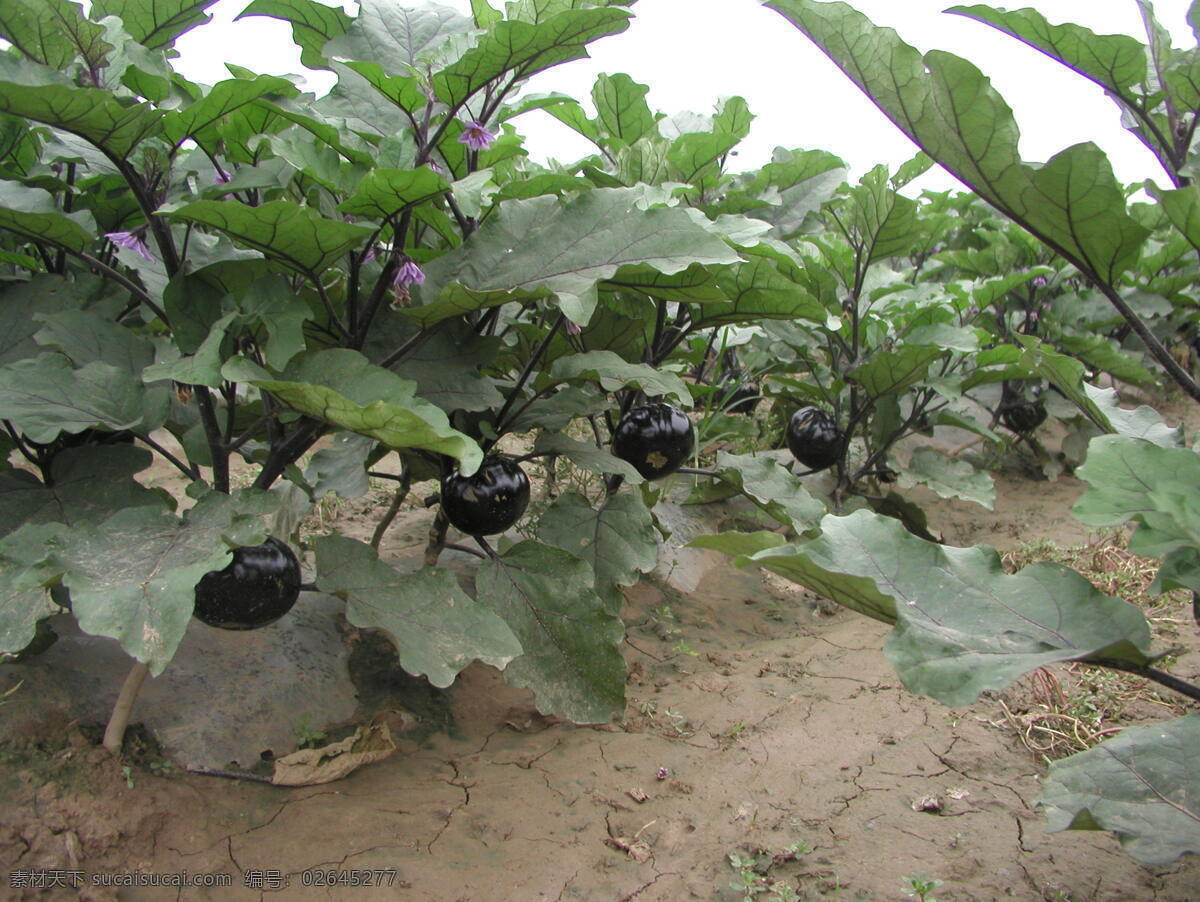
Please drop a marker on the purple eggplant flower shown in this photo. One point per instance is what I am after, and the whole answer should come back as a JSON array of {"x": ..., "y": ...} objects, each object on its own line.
[
  {"x": 220, "y": 177},
  {"x": 369, "y": 256},
  {"x": 408, "y": 274},
  {"x": 133, "y": 242},
  {"x": 1039, "y": 281},
  {"x": 573, "y": 328},
  {"x": 476, "y": 136}
]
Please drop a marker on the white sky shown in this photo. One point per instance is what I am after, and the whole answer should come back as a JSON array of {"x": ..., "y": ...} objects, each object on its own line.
[{"x": 691, "y": 52}]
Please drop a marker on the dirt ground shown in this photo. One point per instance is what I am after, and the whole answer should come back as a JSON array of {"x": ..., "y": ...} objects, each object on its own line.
[{"x": 758, "y": 726}]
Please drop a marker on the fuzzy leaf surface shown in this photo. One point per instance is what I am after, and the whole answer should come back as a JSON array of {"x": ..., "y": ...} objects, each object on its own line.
[
  {"x": 436, "y": 627},
  {"x": 1143, "y": 784},
  {"x": 133, "y": 576},
  {"x": 344, "y": 388},
  {"x": 963, "y": 625},
  {"x": 565, "y": 247},
  {"x": 572, "y": 660}
]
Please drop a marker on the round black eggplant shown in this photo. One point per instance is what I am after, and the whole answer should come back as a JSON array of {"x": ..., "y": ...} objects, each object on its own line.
[
  {"x": 259, "y": 586},
  {"x": 1023, "y": 417},
  {"x": 489, "y": 501},
  {"x": 814, "y": 438},
  {"x": 655, "y": 438}
]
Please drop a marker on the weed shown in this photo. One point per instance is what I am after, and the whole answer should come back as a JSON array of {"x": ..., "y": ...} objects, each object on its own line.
[
  {"x": 307, "y": 737},
  {"x": 127, "y": 773},
  {"x": 920, "y": 886}
]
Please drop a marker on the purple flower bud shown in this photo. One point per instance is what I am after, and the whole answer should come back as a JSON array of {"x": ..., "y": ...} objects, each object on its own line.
[
  {"x": 434, "y": 166},
  {"x": 220, "y": 178},
  {"x": 572, "y": 328},
  {"x": 1039, "y": 281},
  {"x": 369, "y": 256},
  {"x": 476, "y": 136},
  {"x": 133, "y": 242},
  {"x": 408, "y": 274}
]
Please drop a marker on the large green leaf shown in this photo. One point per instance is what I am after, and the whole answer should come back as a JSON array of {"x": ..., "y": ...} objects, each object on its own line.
[
  {"x": 565, "y": 247},
  {"x": 297, "y": 236},
  {"x": 89, "y": 484},
  {"x": 221, "y": 100},
  {"x": 400, "y": 39},
  {"x": 25, "y": 569},
  {"x": 1116, "y": 62},
  {"x": 891, "y": 372},
  {"x": 313, "y": 24},
  {"x": 756, "y": 290},
  {"x": 963, "y": 625},
  {"x": 617, "y": 539},
  {"x": 39, "y": 93},
  {"x": 25, "y": 304},
  {"x": 949, "y": 477},
  {"x": 436, "y": 627},
  {"x": 45, "y": 395},
  {"x": 85, "y": 337},
  {"x": 344, "y": 388},
  {"x": 621, "y": 109},
  {"x": 522, "y": 49},
  {"x": 155, "y": 23},
  {"x": 385, "y": 192},
  {"x": 584, "y": 455},
  {"x": 571, "y": 659},
  {"x": 52, "y": 32},
  {"x": 133, "y": 576},
  {"x": 612, "y": 372},
  {"x": 772, "y": 487},
  {"x": 1133, "y": 479},
  {"x": 32, "y": 213},
  {"x": 947, "y": 106},
  {"x": 1143, "y": 784}
]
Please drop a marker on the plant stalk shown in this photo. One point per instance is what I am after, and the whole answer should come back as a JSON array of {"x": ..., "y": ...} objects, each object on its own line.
[{"x": 114, "y": 733}]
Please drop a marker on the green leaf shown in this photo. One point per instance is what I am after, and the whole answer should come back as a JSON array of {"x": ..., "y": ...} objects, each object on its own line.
[
  {"x": 85, "y": 336},
  {"x": 89, "y": 484},
  {"x": 133, "y": 577},
  {"x": 271, "y": 304},
  {"x": 572, "y": 660},
  {"x": 891, "y": 372},
  {"x": 1116, "y": 62},
  {"x": 344, "y": 388},
  {"x": 436, "y": 627},
  {"x": 201, "y": 368},
  {"x": 52, "y": 32},
  {"x": 25, "y": 304},
  {"x": 586, "y": 456},
  {"x": 341, "y": 469},
  {"x": 617, "y": 539},
  {"x": 1133, "y": 479},
  {"x": 155, "y": 23},
  {"x": 947, "y": 106},
  {"x": 621, "y": 110},
  {"x": 757, "y": 290},
  {"x": 383, "y": 193},
  {"x": 296, "y": 236},
  {"x": 949, "y": 477},
  {"x": 222, "y": 99},
  {"x": 522, "y": 49},
  {"x": 773, "y": 488},
  {"x": 32, "y": 212},
  {"x": 963, "y": 625},
  {"x": 313, "y": 24},
  {"x": 565, "y": 247},
  {"x": 1143, "y": 784},
  {"x": 612, "y": 373},
  {"x": 400, "y": 39},
  {"x": 45, "y": 395},
  {"x": 25, "y": 569},
  {"x": 39, "y": 93}
]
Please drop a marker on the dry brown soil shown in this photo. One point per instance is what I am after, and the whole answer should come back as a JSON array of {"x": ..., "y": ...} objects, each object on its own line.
[{"x": 755, "y": 722}]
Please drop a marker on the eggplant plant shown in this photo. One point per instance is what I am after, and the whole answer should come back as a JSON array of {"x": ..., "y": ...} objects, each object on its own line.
[
  {"x": 1141, "y": 784},
  {"x": 258, "y": 285}
]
